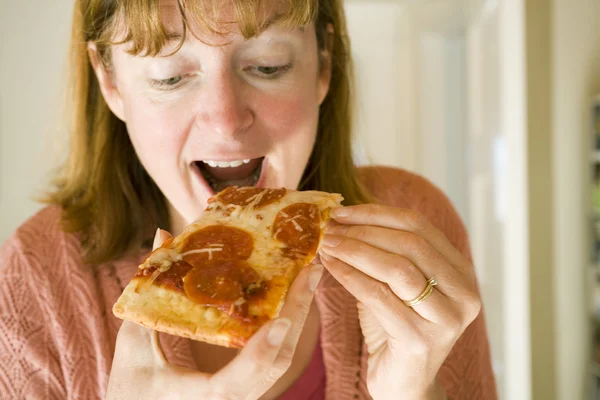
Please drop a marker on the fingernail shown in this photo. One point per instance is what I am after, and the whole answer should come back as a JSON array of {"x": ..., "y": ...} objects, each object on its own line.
[
  {"x": 314, "y": 277},
  {"x": 331, "y": 241},
  {"x": 338, "y": 212},
  {"x": 156, "y": 242},
  {"x": 278, "y": 331},
  {"x": 324, "y": 256},
  {"x": 336, "y": 229}
]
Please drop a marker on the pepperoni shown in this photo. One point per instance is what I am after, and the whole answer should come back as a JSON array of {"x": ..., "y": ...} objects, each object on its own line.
[
  {"x": 172, "y": 277},
  {"x": 217, "y": 242},
  {"x": 298, "y": 227},
  {"x": 246, "y": 195},
  {"x": 222, "y": 283}
]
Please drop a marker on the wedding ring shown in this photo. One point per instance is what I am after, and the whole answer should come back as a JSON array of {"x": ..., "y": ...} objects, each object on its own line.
[{"x": 431, "y": 282}]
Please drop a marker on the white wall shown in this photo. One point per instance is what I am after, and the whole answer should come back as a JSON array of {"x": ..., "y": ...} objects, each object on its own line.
[
  {"x": 575, "y": 78},
  {"x": 33, "y": 44}
]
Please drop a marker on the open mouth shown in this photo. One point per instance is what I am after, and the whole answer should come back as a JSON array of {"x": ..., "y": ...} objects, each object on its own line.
[{"x": 222, "y": 174}]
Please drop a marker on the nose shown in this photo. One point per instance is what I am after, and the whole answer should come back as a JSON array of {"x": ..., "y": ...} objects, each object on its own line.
[{"x": 224, "y": 108}]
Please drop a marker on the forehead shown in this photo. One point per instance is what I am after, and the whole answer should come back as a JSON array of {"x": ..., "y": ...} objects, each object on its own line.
[
  {"x": 226, "y": 17},
  {"x": 149, "y": 26}
]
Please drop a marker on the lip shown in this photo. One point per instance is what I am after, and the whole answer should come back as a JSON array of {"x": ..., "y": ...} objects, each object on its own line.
[
  {"x": 263, "y": 173},
  {"x": 260, "y": 183},
  {"x": 229, "y": 158},
  {"x": 201, "y": 179}
]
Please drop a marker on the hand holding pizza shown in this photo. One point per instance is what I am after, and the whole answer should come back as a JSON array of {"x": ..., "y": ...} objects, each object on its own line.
[
  {"x": 390, "y": 259},
  {"x": 140, "y": 369}
]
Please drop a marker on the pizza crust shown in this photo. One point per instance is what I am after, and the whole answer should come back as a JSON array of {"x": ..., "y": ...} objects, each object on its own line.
[{"x": 168, "y": 310}]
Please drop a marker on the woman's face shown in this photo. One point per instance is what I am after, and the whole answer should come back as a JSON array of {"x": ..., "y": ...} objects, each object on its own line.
[{"x": 243, "y": 112}]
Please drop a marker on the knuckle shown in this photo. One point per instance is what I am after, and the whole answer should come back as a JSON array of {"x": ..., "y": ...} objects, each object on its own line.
[
  {"x": 358, "y": 232},
  {"x": 454, "y": 324},
  {"x": 472, "y": 304},
  {"x": 416, "y": 220},
  {"x": 282, "y": 364},
  {"x": 274, "y": 373},
  {"x": 268, "y": 372},
  {"x": 417, "y": 243},
  {"x": 382, "y": 293},
  {"x": 356, "y": 251},
  {"x": 372, "y": 210},
  {"x": 347, "y": 275},
  {"x": 407, "y": 274}
]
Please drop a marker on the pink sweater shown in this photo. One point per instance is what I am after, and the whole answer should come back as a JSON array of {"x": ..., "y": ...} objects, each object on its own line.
[{"x": 57, "y": 331}]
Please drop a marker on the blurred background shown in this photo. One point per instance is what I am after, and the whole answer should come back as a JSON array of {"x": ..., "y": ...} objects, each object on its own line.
[{"x": 496, "y": 101}]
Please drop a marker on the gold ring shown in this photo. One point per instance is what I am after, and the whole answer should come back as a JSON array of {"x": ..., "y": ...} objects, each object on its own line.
[{"x": 425, "y": 294}]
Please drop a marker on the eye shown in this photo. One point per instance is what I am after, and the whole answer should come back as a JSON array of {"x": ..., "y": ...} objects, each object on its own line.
[
  {"x": 171, "y": 81},
  {"x": 166, "y": 84},
  {"x": 267, "y": 70},
  {"x": 270, "y": 72}
]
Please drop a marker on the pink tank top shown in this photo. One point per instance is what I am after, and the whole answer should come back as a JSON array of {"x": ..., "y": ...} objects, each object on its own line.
[{"x": 311, "y": 384}]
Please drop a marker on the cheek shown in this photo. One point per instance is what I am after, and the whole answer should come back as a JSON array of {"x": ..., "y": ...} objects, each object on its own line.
[
  {"x": 158, "y": 133},
  {"x": 290, "y": 119}
]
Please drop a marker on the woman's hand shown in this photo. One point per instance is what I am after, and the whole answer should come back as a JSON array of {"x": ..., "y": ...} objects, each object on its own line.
[
  {"x": 384, "y": 257},
  {"x": 141, "y": 371}
]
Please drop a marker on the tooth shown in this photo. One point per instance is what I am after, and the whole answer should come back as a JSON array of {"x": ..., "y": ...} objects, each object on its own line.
[
  {"x": 223, "y": 164},
  {"x": 211, "y": 163},
  {"x": 235, "y": 163},
  {"x": 246, "y": 161}
]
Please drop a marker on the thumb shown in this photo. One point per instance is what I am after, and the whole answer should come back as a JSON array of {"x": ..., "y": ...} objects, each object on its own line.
[
  {"x": 160, "y": 238},
  {"x": 137, "y": 345}
]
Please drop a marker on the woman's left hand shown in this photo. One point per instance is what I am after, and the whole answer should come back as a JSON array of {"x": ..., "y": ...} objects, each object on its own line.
[{"x": 384, "y": 257}]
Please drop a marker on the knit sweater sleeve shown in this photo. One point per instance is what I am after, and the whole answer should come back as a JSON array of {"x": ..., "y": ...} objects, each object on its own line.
[
  {"x": 467, "y": 372},
  {"x": 29, "y": 366}
]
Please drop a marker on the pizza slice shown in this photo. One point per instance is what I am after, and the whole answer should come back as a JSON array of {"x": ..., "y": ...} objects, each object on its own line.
[{"x": 229, "y": 271}]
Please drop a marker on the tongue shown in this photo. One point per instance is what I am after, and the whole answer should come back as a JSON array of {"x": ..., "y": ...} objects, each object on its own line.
[{"x": 242, "y": 172}]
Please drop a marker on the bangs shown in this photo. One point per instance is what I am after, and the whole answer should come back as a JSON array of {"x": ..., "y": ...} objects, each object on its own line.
[{"x": 141, "y": 21}]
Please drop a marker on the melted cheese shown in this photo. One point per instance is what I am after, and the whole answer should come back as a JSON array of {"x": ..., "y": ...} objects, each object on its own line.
[
  {"x": 208, "y": 250},
  {"x": 267, "y": 257}
]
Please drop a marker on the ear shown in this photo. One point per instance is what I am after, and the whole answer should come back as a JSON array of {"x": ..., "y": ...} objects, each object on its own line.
[
  {"x": 325, "y": 62},
  {"x": 107, "y": 83}
]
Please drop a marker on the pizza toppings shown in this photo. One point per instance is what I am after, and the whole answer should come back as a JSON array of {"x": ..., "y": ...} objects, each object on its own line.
[
  {"x": 163, "y": 257},
  {"x": 230, "y": 271},
  {"x": 217, "y": 242},
  {"x": 250, "y": 196},
  {"x": 222, "y": 283},
  {"x": 298, "y": 227},
  {"x": 171, "y": 278}
]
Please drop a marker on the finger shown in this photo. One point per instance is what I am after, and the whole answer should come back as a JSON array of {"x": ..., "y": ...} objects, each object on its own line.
[
  {"x": 418, "y": 258},
  {"x": 264, "y": 359},
  {"x": 136, "y": 347},
  {"x": 404, "y": 278},
  {"x": 156, "y": 347},
  {"x": 252, "y": 371},
  {"x": 160, "y": 238},
  {"x": 375, "y": 295},
  {"x": 381, "y": 297},
  {"x": 404, "y": 220},
  {"x": 296, "y": 308}
]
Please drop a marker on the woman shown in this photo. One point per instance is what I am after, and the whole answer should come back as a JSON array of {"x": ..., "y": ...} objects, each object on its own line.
[{"x": 172, "y": 101}]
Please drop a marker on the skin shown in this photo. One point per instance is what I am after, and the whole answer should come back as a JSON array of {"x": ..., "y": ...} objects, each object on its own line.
[
  {"x": 221, "y": 102},
  {"x": 232, "y": 100},
  {"x": 225, "y": 108}
]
